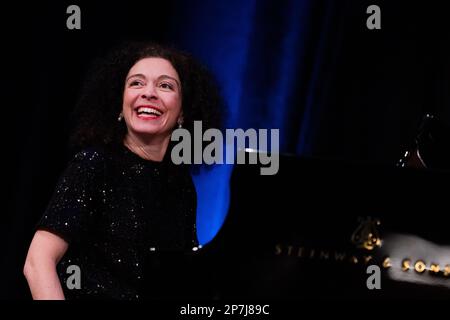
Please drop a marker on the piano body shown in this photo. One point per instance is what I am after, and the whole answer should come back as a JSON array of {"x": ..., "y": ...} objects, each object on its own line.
[{"x": 312, "y": 230}]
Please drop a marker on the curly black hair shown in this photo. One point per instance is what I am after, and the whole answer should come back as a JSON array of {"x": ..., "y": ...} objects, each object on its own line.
[{"x": 101, "y": 97}]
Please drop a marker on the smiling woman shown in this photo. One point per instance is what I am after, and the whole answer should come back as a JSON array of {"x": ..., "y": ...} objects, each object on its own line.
[
  {"x": 151, "y": 106},
  {"x": 121, "y": 199}
]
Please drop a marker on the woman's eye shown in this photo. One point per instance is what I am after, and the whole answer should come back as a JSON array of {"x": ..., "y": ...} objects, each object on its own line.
[
  {"x": 135, "y": 83},
  {"x": 165, "y": 85}
]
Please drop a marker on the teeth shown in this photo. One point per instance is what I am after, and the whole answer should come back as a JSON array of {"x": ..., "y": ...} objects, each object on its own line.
[{"x": 149, "y": 110}]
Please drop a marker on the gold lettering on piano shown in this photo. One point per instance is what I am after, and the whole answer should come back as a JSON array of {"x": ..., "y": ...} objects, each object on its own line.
[
  {"x": 447, "y": 270},
  {"x": 406, "y": 264},
  {"x": 289, "y": 250},
  {"x": 339, "y": 256},
  {"x": 434, "y": 268},
  {"x": 420, "y": 266},
  {"x": 324, "y": 255},
  {"x": 278, "y": 250},
  {"x": 387, "y": 263}
]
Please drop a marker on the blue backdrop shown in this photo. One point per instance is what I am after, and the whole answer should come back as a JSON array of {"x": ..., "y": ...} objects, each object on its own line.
[
  {"x": 255, "y": 56},
  {"x": 265, "y": 55},
  {"x": 313, "y": 69}
]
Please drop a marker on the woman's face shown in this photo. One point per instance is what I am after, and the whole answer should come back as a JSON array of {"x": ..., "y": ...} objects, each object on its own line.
[{"x": 152, "y": 97}]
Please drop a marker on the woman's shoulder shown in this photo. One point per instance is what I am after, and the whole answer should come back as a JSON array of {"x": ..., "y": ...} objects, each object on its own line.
[
  {"x": 98, "y": 157},
  {"x": 85, "y": 166},
  {"x": 91, "y": 155},
  {"x": 95, "y": 157}
]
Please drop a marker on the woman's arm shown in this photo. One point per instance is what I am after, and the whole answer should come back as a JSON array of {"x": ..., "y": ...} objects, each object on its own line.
[{"x": 45, "y": 251}]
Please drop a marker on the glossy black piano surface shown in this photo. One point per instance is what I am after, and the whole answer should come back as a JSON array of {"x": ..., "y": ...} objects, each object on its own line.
[{"x": 312, "y": 230}]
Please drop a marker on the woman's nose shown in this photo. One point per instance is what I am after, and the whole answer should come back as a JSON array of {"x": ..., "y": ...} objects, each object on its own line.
[{"x": 149, "y": 93}]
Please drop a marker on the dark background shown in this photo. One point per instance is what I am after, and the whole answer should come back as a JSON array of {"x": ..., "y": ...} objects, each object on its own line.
[{"x": 335, "y": 89}]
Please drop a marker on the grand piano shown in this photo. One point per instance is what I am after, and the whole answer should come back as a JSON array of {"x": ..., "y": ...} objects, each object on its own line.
[
  {"x": 312, "y": 231},
  {"x": 323, "y": 229}
]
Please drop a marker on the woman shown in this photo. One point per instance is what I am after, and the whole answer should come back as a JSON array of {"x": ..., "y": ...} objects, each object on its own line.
[{"x": 121, "y": 199}]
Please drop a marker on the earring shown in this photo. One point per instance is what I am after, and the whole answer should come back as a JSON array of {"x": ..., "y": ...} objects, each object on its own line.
[
  {"x": 180, "y": 124},
  {"x": 120, "y": 117}
]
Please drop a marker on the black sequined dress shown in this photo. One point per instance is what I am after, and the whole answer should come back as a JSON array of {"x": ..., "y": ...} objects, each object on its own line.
[{"x": 117, "y": 210}]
